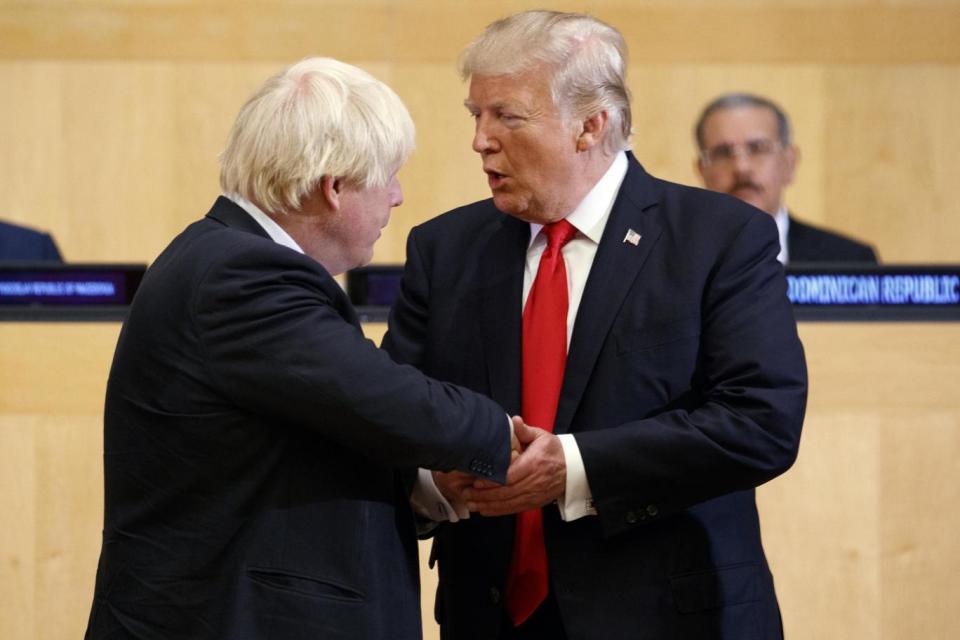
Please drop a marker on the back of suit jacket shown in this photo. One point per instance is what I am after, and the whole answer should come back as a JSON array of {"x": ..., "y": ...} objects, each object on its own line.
[
  {"x": 684, "y": 387},
  {"x": 256, "y": 448}
]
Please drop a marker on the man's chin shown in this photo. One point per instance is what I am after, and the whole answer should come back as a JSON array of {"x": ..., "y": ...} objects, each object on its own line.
[{"x": 506, "y": 203}]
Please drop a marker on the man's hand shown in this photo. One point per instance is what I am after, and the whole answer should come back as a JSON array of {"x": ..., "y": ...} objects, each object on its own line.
[
  {"x": 452, "y": 485},
  {"x": 538, "y": 476}
]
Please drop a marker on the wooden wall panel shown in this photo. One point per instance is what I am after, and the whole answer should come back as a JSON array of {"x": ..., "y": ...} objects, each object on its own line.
[
  {"x": 117, "y": 110},
  {"x": 821, "y": 528},
  {"x": 860, "y": 533},
  {"x": 890, "y": 149},
  {"x": 17, "y": 536}
]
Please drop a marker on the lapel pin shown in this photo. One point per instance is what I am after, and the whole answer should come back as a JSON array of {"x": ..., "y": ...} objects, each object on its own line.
[{"x": 632, "y": 237}]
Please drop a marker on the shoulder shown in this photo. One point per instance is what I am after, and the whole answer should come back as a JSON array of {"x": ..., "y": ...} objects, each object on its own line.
[
  {"x": 685, "y": 206},
  {"x": 10, "y": 230},
  {"x": 465, "y": 220},
  {"x": 810, "y": 243},
  {"x": 209, "y": 254},
  {"x": 706, "y": 216}
]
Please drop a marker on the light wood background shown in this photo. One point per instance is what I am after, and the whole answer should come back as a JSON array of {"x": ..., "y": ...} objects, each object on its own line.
[
  {"x": 113, "y": 114},
  {"x": 114, "y": 111},
  {"x": 860, "y": 533}
]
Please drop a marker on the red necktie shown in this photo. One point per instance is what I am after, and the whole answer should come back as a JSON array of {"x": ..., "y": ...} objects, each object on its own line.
[{"x": 544, "y": 358}]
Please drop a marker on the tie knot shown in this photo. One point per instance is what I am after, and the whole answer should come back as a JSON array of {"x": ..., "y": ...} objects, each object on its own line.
[{"x": 559, "y": 233}]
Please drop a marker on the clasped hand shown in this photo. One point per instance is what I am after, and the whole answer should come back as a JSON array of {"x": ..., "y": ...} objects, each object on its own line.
[{"x": 537, "y": 476}]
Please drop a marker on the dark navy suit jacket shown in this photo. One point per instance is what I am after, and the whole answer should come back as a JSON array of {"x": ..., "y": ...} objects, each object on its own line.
[
  {"x": 807, "y": 243},
  {"x": 20, "y": 243},
  {"x": 258, "y": 453},
  {"x": 685, "y": 387}
]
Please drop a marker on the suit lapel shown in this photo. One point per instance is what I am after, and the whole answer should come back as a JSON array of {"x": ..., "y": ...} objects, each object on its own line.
[
  {"x": 614, "y": 270},
  {"x": 501, "y": 288}
]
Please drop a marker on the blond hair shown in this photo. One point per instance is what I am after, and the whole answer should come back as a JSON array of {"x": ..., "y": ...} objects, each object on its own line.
[
  {"x": 319, "y": 117},
  {"x": 587, "y": 58}
]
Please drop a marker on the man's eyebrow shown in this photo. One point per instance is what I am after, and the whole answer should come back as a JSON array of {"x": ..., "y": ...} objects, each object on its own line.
[{"x": 496, "y": 106}]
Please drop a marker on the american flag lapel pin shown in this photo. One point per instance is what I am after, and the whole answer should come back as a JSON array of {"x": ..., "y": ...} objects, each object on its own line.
[{"x": 632, "y": 237}]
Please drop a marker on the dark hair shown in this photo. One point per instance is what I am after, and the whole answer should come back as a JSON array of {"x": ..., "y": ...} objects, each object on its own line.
[{"x": 735, "y": 100}]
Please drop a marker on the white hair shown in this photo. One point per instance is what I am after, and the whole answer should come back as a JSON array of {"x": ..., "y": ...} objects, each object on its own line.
[
  {"x": 588, "y": 59},
  {"x": 319, "y": 117}
]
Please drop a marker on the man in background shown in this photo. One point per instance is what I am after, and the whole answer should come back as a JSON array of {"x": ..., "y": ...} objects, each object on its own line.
[
  {"x": 21, "y": 243},
  {"x": 258, "y": 450},
  {"x": 644, "y": 323},
  {"x": 745, "y": 150}
]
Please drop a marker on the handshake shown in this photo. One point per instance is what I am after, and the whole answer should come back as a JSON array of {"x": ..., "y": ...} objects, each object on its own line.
[{"x": 537, "y": 476}]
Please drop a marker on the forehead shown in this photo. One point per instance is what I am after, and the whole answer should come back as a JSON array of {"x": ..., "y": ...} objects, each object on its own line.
[
  {"x": 530, "y": 90},
  {"x": 739, "y": 124}
]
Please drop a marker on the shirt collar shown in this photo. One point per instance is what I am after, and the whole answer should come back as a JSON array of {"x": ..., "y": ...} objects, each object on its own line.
[
  {"x": 590, "y": 216},
  {"x": 782, "y": 219},
  {"x": 274, "y": 230}
]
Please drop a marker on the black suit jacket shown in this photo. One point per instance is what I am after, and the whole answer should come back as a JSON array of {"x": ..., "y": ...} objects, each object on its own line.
[
  {"x": 256, "y": 450},
  {"x": 20, "y": 243},
  {"x": 685, "y": 388},
  {"x": 807, "y": 243}
]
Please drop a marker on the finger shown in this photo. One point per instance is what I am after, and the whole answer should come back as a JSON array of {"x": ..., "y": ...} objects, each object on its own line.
[
  {"x": 516, "y": 504},
  {"x": 502, "y": 493}
]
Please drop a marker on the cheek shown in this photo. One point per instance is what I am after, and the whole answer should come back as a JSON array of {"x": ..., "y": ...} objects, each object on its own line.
[{"x": 718, "y": 178}]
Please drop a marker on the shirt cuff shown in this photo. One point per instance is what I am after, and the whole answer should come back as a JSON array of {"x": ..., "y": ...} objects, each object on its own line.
[
  {"x": 577, "y": 501},
  {"x": 428, "y": 502}
]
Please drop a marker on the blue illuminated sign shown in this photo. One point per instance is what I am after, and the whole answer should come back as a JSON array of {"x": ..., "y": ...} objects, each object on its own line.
[
  {"x": 875, "y": 292},
  {"x": 887, "y": 289}
]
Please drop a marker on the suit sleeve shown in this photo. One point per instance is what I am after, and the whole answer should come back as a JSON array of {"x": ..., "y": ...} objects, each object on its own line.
[
  {"x": 739, "y": 424},
  {"x": 276, "y": 345}
]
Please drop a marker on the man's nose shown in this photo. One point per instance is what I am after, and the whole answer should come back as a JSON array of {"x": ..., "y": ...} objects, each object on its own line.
[
  {"x": 396, "y": 193},
  {"x": 742, "y": 163},
  {"x": 482, "y": 140}
]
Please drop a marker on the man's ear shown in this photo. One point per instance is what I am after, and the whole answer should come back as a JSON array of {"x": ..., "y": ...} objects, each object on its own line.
[
  {"x": 592, "y": 131},
  {"x": 331, "y": 188},
  {"x": 699, "y": 167},
  {"x": 791, "y": 157}
]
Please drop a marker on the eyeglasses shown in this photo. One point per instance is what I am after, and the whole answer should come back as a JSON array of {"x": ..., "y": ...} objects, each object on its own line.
[{"x": 754, "y": 150}]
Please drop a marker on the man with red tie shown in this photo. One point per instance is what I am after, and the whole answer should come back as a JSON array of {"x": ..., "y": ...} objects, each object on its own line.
[{"x": 643, "y": 325}]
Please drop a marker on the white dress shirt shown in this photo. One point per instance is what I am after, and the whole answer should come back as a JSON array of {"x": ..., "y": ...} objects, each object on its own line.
[
  {"x": 783, "y": 228},
  {"x": 589, "y": 218}
]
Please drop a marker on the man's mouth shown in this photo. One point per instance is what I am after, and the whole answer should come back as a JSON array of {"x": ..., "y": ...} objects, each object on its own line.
[
  {"x": 494, "y": 178},
  {"x": 744, "y": 186}
]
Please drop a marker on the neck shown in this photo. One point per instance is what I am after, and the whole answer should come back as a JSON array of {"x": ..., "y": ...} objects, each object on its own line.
[
  {"x": 587, "y": 174},
  {"x": 306, "y": 226}
]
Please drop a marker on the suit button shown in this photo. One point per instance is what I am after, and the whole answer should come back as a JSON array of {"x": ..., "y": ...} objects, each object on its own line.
[
  {"x": 494, "y": 595},
  {"x": 631, "y": 517},
  {"x": 652, "y": 510}
]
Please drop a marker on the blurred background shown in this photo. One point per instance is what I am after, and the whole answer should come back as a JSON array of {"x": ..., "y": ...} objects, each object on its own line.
[{"x": 113, "y": 113}]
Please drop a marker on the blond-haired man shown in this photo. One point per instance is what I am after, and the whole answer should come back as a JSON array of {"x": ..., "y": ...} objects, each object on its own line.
[{"x": 255, "y": 444}]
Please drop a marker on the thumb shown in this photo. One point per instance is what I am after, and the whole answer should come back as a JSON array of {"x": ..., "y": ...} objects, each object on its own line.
[{"x": 524, "y": 434}]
